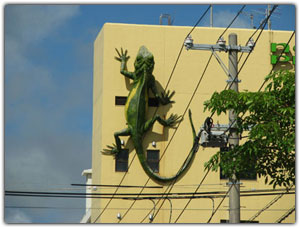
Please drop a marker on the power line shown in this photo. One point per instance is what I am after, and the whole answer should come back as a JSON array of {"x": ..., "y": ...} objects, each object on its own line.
[
  {"x": 169, "y": 188},
  {"x": 233, "y": 20},
  {"x": 191, "y": 199},
  {"x": 262, "y": 26},
  {"x": 182, "y": 46},
  {"x": 113, "y": 185},
  {"x": 142, "y": 194},
  {"x": 157, "y": 108},
  {"x": 263, "y": 81},
  {"x": 122, "y": 208},
  {"x": 267, "y": 206},
  {"x": 235, "y": 79},
  {"x": 287, "y": 214},
  {"x": 140, "y": 198},
  {"x": 154, "y": 114},
  {"x": 111, "y": 198},
  {"x": 278, "y": 59},
  {"x": 208, "y": 221},
  {"x": 194, "y": 94},
  {"x": 145, "y": 194}
]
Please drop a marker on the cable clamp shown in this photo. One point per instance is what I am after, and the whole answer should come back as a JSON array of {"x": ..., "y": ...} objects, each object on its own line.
[
  {"x": 231, "y": 80},
  {"x": 236, "y": 183}
]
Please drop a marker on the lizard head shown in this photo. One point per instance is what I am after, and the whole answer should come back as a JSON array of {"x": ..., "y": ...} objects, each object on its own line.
[{"x": 144, "y": 60}]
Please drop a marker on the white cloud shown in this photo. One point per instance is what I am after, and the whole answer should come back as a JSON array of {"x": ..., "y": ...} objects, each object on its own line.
[
  {"x": 26, "y": 25},
  {"x": 31, "y": 23},
  {"x": 17, "y": 216},
  {"x": 40, "y": 148},
  {"x": 223, "y": 18}
]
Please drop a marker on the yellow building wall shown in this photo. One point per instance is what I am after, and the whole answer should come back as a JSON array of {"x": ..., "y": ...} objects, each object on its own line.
[{"x": 165, "y": 43}]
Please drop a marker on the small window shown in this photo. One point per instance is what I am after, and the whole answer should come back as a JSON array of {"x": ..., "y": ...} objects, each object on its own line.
[
  {"x": 121, "y": 100},
  {"x": 249, "y": 175},
  {"x": 241, "y": 221},
  {"x": 122, "y": 161},
  {"x": 153, "y": 160},
  {"x": 153, "y": 102}
]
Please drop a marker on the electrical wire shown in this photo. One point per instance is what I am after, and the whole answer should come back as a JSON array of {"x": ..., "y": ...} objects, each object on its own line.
[
  {"x": 263, "y": 81},
  {"x": 262, "y": 27},
  {"x": 143, "y": 194},
  {"x": 277, "y": 61},
  {"x": 157, "y": 107},
  {"x": 171, "y": 209},
  {"x": 213, "y": 206},
  {"x": 287, "y": 214},
  {"x": 179, "y": 54},
  {"x": 191, "y": 199},
  {"x": 195, "y": 93},
  {"x": 268, "y": 205},
  {"x": 116, "y": 189},
  {"x": 119, "y": 208},
  {"x": 242, "y": 68},
  {"x": 265, "y": 21},
  {"x": 140, "y": 198},
  {"x": 208, "y": 221},
  {"x": 154, "y": 114},
  {"x": 113, "y": 185},
  {"x": 233, "y": 20},
  {"x": 172, "y": 73},
  {"x": 152, "y": 209}
]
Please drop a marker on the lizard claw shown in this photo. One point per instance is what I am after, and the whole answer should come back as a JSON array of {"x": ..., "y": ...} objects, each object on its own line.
[
  {"x": 122, "y": 56},
  {"x": 166, "y": 97},
  {"x": 111, "y": 150},
  {"x": 173, "y": 120}
]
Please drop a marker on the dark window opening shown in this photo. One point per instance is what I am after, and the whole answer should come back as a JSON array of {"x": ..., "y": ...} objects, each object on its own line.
[
  {"x": 121, "y": 100},
  {"x": 241, "y": 221},
  {"x": 122, "y": 161},
  {"x": 248, "y": 175},
  {"x": 153, "y": 160},
  {"x": 153, "y": 102}
]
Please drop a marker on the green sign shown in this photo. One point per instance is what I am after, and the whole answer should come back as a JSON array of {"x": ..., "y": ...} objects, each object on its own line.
[{"x": 286, "y": 56}]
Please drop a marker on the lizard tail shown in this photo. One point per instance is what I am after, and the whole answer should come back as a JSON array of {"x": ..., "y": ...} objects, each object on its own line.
[{"x": 184, "y": 168}]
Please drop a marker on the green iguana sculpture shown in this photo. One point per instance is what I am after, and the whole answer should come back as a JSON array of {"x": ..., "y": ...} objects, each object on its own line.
[{"x": 136, "y": 108}]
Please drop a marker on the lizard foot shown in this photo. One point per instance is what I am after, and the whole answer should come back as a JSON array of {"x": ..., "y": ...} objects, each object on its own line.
[
  {"x": 122, "y": 55},
  {"x": 111, "y": 150},
  {"x": 166, "y": 97},
  {"x": 173, "y": 120}
]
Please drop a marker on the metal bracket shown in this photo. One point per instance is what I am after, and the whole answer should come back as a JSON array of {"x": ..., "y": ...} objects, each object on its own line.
[
  {"x": 221, "y": 64},
  {"x": 231, "y": 80},
  {"x": 218, "y": 127},
  {"x": 236, "y": 183},
  {"x": 218, "y": 47}
]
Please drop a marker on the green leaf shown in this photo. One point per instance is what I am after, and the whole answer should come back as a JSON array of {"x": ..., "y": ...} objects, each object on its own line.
[{"x": 270, "y": 147}]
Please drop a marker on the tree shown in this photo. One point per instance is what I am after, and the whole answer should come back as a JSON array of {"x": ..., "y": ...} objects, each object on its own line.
[{"x": 269, "y": 119}]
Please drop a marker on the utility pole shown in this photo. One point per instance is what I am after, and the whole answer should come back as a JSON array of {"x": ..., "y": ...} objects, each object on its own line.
[
  {"x": 233, "y": 140},
  {"x": 267, "y": 15},
  {"x": 213, "y": 137},
  {"x": 211, "y": 16}
]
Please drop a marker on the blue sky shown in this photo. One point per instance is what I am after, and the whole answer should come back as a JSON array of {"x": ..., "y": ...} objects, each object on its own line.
[{"x": 48, "y": 93}]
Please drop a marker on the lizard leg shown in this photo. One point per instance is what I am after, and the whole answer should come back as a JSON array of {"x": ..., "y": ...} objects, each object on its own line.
[
  {"x": 150, "y": 123},
  {"x": 124, "y": 132},
  {"x": 116, "y": 148},
  {"x": 170, "y": 122}
]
